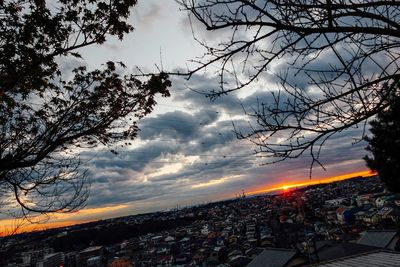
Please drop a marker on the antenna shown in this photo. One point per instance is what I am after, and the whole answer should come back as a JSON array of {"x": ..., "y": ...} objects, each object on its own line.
[{"x": 161, "y": 61}]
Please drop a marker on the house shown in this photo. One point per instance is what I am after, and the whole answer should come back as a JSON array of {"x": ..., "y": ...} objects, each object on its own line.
[
  {"x": 276, "y": 257},
  {"x": 386, "y": 239},
  {"x": 200, "y": 255},
  {"x": 334, "y": 202},
  {"x": 384, "y": 213},
  {"x": 381, "y": 201},
  {"x": 169, "y": 239},
  {"x": 364, "y": 199},
  {"x": 371, "y": 259},
  {"x": 334, "y": 251},
  {"x": 211, "y": 261},
  {"x": 330, "y": 216},
  {"x": 54, "y": 259},
  {"x": 205, "y": 230},
  {"x": 218, "y": 252},
  {"x": 370, "y": 217},
  {"x": 211, "y": 235},
  {"x": 233, "y": 239},
  {"x": 90, "y": 256},
  {"x": 157, "y": 239},
  {"x": 359, "y": 216},
  {"x": 182, "y": 259},
  {"x": 239, "y": 261},
  {"x": 345, "y": 215},
  {"x": 384, "y": 199}
]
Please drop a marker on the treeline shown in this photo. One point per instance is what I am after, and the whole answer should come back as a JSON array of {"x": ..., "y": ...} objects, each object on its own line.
[{"x": 114, "y": 233}]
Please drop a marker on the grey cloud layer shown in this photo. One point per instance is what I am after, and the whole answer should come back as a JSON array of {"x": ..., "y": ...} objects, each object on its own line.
[{"x": 200, "y": 143}]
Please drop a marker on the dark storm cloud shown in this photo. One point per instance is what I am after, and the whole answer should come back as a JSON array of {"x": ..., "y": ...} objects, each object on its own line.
[
  {"x": 324, "y": 67},
  {"x": 130, "y": 159},
  {"x": 122, "y": 193},
  {"x": 230, "y": 105},
  {"x": 176, "y": 125},
  {"x": 194, "y": 92}
]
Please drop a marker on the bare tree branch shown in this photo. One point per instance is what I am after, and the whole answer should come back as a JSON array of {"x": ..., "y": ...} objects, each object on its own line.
[{"x": 358, "y": 77}]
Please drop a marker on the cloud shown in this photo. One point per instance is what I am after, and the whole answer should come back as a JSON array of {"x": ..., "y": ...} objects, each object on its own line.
[
  {"x": 191, "y": 154},
  {"x": 193, "y": 151},
  {"x": 176, "y": 125},
  {"x": 146, "y": 15}
]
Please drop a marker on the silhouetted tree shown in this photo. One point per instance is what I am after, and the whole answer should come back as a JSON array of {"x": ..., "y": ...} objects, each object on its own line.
[
  {"x": 48, "y": 112},
  {"x": 336, "y": 61},
  {"x": 385, "y": 146}
]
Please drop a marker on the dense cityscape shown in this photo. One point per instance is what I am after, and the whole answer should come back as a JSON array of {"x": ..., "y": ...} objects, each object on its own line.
[{"x": 306, "y": 226}]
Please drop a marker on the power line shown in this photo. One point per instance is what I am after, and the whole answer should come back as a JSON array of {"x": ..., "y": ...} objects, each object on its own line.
[
  {"x": 175, "y": 162},
  {"x": 164, "y": 155},
  {"x": 184, "y": 154},
  {"x": 176, "y": 140},
  {"x": 218, "y": 112}
]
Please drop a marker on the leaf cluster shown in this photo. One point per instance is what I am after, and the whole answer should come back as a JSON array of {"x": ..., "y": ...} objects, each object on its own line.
[
  {"x": 384, "y": 145},
  {"x": 48, "y": 114}
]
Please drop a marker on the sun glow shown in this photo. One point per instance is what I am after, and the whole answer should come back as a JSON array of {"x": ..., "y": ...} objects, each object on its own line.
[{"x": 286, "y": 186}]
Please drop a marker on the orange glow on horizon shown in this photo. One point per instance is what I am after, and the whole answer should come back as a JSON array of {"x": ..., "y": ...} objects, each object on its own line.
[
  {"x": 314, "y": 181},
  {"x": 14, "y": 226},
  {"x": 94, "y": 214},
  {"x": 18, "y": 226}
]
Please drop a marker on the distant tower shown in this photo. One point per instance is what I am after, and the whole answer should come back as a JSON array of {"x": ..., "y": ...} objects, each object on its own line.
[{"x": 243, "y": 195}]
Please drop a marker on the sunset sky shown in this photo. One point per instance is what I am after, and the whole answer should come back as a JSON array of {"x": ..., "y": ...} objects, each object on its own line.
[{"x": 186, "y": 152}]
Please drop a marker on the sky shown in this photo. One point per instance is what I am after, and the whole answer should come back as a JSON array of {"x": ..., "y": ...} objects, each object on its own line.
[{"x": 186, "y": 152}]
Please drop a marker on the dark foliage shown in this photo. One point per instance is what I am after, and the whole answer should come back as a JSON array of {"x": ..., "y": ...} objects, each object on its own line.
[
  {"x": 48, "y": 112},
  {"x": 385, "y": 146},
  {"x": 114, "y": 233}
]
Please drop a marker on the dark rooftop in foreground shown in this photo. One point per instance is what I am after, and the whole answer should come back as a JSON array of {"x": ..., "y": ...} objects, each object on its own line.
[
  {"x": 377, "y": 238},
  {"x": 272, "y": 258},
  {"x": 372, "y": 259}
]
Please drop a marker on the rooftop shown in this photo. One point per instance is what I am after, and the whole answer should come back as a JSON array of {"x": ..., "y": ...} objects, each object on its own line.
[
  {"x": 377, "y": 238},
  {"x": 272, "y": 258},
  {"x": 372, "y": 259}
]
